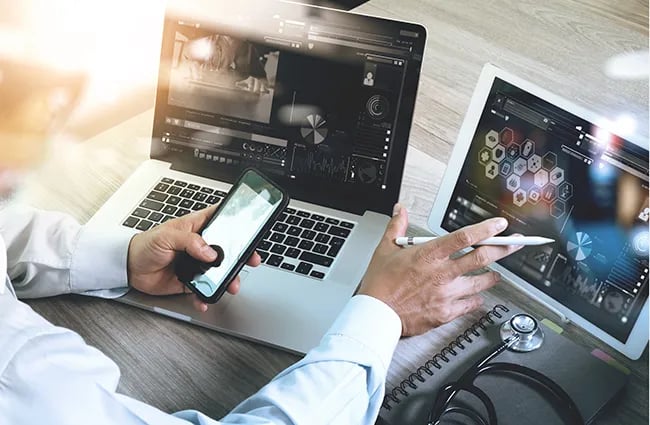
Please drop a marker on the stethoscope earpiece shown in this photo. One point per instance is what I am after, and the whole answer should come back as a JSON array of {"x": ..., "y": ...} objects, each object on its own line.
[{"x": 524, "y": 327}]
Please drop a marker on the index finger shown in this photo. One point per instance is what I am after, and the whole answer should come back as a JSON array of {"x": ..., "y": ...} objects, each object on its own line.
[
  {"x": 468, "y": 236},
  {"x": 195, "y": 221}
]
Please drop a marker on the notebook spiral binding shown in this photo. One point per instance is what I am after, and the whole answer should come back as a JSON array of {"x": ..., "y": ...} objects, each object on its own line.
[{"x": 401, "y": 390}]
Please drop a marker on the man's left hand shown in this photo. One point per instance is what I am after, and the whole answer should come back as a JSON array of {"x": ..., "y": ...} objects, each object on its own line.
[{"x": 150, "y": 263}]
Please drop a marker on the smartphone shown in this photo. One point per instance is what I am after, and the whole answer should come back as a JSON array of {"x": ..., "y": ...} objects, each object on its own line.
[{"x": 239, "y": 224}]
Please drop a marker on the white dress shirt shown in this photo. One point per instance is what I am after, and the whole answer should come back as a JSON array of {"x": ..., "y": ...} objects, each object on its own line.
[{"x": 48, "y": 375}]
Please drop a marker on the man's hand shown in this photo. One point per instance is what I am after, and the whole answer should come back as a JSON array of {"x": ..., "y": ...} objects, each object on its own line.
[
  {"x": 422, "y": 284},
  {"x": 151, "y": 255}
]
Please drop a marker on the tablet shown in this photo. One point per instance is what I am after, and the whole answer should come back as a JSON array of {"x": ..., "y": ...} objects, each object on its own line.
[{"x": 556, "y": 170}]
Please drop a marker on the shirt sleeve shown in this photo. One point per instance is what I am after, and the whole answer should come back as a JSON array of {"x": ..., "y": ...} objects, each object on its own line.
[
  {"x": 52, "y": 376},
  {"x": 49, "y": 253}
]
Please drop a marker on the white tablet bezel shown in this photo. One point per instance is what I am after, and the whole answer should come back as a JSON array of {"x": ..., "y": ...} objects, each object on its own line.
[{"x": 638, "y": 338}]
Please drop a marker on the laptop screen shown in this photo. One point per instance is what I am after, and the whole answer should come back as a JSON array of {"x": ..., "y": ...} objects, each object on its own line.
[
  {"x": 321, "y": 100},
  {"x": 556, "y": 175}
]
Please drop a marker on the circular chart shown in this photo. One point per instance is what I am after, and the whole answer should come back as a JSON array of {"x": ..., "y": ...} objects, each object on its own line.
[
  {"x": 314, "y": 131},
  {"x": 377, "y": 107},
  {"x": 579, "y": 246}
]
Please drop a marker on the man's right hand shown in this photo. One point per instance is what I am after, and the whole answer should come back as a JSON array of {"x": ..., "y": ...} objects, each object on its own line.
[{"x": 422, "y": 284}]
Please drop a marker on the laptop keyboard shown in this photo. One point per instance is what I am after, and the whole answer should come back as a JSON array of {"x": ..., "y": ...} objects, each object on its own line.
[{"x": 299, "y": 241}]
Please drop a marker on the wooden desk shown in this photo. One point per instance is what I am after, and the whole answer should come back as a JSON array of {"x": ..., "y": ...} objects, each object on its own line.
[{"x": 559, "y": 44}]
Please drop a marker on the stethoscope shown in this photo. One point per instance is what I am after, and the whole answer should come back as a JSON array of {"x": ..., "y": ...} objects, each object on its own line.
[{"x": 521, "y": 333}]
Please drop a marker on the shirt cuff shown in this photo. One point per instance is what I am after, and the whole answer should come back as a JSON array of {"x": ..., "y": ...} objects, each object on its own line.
[
  {"x": 99, "y": 259},
  {"x": 371, "y": 323}
]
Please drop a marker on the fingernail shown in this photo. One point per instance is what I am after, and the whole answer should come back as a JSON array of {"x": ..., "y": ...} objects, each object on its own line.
[
  {"x": 208, "y": 252},
  {"x": 500, "y": 223},
  {"x": 396, "y": 209}
]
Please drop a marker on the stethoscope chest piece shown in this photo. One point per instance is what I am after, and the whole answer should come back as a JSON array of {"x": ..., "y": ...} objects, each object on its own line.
[{"x": 526, "y": 328}]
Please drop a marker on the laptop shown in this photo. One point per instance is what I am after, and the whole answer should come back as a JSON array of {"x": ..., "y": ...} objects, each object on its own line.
[
  {"x": 556, "y": 170},
  {"x": 319, "y": 100}
]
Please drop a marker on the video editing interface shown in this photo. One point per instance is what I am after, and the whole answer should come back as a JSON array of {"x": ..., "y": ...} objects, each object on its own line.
[
  {"x": 553, "y": 174},
  {"x": 311, "y": 102}
]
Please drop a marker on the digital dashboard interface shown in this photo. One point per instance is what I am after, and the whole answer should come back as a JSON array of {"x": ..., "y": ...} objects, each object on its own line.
[
  {"x": 556, "y": 175},
  {"x": 321, "y": 100}
]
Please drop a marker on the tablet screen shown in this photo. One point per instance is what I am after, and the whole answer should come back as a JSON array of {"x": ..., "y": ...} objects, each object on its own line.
[{"x": 556, "y": 175}]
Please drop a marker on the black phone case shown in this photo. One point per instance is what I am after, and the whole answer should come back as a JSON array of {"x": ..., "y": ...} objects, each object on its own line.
[{"x": 186, "y": 277}]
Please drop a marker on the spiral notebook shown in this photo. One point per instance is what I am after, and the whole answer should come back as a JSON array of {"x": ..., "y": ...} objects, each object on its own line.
[{"x": 591, "y": 381}]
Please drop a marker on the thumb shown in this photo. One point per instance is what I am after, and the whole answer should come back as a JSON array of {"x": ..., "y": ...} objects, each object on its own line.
[
  {"x": 398, "y": 224},
  {"x": 193, "y": 244}
]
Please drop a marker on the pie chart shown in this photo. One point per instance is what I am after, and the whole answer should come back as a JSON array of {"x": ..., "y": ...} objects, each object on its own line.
[
  {"x": 314, "y": 132},
  {"x": 579, "y": 246}
]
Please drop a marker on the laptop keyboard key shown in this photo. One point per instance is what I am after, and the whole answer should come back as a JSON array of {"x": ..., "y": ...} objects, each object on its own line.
[
  {"x": 322, "y": 238},
  {"x": 187, "y": 193},
  {"x": 139, "y": 212},
  {"x": 276, "y": 237},
  {"x": 131, "y": 221},
  {"x": 169, "y": 209},
  {"x": 278, "y": 249},
  {"x": 181, "y": 212},
  {"x": 186, "y": 203},
  {"x": 293, "y": 220},
  {"x": 307, "y": 223},
  {"x": 317, "y": 217},
  {"x": 212, "y": 199},
  {"x": 304, "y": 268},
  {"x": 339, "y": 231},
  {"x": 161, "y": 187},
  {"x": 337, "y": 242},
  {"x": 321, "y": 227},
  {"x": 317, "y": 274},
  {"x": 291, "y": 241},
  {"x": 320, "y": 248},
  {"x": 333, "y": 251},
  {"x": 280, "y": 227},
  {"x": 282, "y": 217},
  {"x": 199, "y": 206},
  {"x": 180, "y": 183},
  {"x": 167, "y": 180},
  {"x": 173, "y": 200},
  {"x": 307, "y": 245},
  {"x": 193, "y": 186},
  {"x": 333, "y": 221},
  {"x": 303, "y": 214},
  {"x": 206, "y": 190},
  {"x": 155, "y": 216},
  {"x": 220, "y": 193},
  {"x": 174, "y": 190},
  {"x": 292, "y": 252},
  {"x": 288, "y": 266},
  {"x": 144, "y": 225},
  {"x": 151, "y": 205},
  {"x": 263, "y": 255},
  {"x": 321, "y": 260},
  {"x": 308, "y": 234},
  {"x": 198, "y": 196},
  {"x": 290, "y": 210},
  {"x": 294, "y": 231},
  {"x": 157, "y": 196},
  {"x": 274, "y": 260},
  {"x": 347, "y": 225},
  {"x": 264, "y": 245}
]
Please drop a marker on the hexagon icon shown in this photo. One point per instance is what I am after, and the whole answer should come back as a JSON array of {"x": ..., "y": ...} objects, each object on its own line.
[
  {"x": 541, "y": 178},
  {"x": 505, "y": 168},
  {"x": 498, "y": 153},
  {"x": 491, "y": 170},
  {"x": 491, "y": 139},
  {"x": 527, "y": 148},
  {"x": 557, "y": 176},
  {"x": 557, "y": 209},
  {"x": 484, "y": 156},
  {"x": 520, "y": 166},
  {"x": 549, "y": 161},
  {"x": 507, "y": 136},
  {"x": 512, "y": 151},
  {"x": 519, "y": 197},
  {"x": 534, "y": 194},
  {"x": 513, "y": 183},
  {"x": 534, "y": 163},
  {"x": 549, "y": 193},
  {"x": 565, "y": 191}
]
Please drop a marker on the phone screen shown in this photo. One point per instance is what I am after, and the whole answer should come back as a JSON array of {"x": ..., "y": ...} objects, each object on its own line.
[{"x": 236, "y": 224}]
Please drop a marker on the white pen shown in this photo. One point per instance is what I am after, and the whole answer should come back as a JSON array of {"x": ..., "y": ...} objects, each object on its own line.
[{"x": 497, "y": 240}]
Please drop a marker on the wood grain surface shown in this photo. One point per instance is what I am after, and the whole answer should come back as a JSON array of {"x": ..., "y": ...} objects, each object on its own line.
[{"x": 561, "y": 45}]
